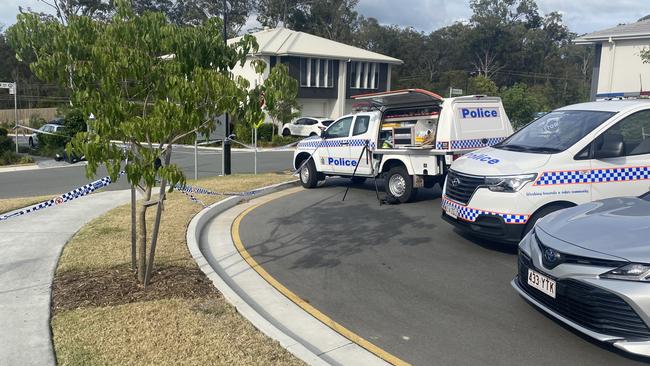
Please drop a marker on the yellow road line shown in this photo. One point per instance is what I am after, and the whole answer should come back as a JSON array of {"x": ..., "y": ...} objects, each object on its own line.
[{"x": 300, "y": 302}]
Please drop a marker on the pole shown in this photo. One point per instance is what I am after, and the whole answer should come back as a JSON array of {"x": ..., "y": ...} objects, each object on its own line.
[
  {"x": 196, "y": 156},
  {"x": 255, "y": 146},
  {"x": 16, "y": 112},
  {"x": 226, "y": 142}
]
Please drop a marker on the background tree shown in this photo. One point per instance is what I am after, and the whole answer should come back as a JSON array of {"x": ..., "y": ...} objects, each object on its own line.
[
  {"x": 280, "y": 92},
  {"x": 149, "y": 82}
]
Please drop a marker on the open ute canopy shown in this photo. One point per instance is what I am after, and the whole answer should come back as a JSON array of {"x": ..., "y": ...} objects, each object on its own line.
[{"x": 401, "y": 97}]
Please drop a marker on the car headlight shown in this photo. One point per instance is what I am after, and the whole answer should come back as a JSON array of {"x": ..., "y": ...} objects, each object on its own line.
[
  {"x": 629, "y": 272},
  {"x": 508, "y": 183}
]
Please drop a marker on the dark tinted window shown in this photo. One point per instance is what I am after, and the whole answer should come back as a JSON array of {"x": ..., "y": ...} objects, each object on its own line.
[
  {"x": 327, "y": 122},
  {"x": 309, "y": 121},
  {"x": 361, "y": 125},
  {"x": 635, "y": 131}
]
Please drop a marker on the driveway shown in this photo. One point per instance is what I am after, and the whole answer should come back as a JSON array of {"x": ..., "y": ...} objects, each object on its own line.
[{"x": 403, "y": 279}]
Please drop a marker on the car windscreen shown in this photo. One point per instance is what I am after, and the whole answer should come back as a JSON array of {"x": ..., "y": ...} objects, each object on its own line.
[{"x": 555, "y": 131}]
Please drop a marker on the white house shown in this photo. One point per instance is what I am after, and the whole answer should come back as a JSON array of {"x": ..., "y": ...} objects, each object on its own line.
[
  {"x": 329, "y": 72},
  {"x": 618, "y": 69}
]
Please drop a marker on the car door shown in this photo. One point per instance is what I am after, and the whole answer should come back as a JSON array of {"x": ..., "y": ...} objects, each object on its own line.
[
  {"x": 357, "y": 153},
  {"x": 621, "y": 158},
  {"x": 295, "y": 127},
  {"x": 337, "y": 146},
  {"x": 309, "y": 127}
]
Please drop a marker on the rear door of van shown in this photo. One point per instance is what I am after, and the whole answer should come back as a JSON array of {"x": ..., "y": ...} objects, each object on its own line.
[{"x": 478, "y": 122}]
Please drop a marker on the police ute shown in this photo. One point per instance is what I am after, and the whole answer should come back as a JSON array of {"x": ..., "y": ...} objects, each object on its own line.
[
  {"x": 407, "y": 137},
  {"x": 570, "y": 156}
]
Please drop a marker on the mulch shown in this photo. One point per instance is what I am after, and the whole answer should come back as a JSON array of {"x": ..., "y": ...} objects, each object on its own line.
[{"x": 119, "y": 285}]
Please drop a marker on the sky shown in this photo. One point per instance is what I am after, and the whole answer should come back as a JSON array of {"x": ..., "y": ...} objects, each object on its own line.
[{"x": 581, "y": 16}]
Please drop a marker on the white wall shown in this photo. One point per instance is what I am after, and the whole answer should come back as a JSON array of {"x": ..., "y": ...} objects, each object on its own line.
[
  {"x": 621, "y": 66},
  {"x": 248, "y": 72}
]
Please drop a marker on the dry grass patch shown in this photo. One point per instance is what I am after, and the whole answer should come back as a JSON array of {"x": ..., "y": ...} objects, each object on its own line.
[
  {"x": 11, "y": 204},
  {"x": 101, "y": 316}
]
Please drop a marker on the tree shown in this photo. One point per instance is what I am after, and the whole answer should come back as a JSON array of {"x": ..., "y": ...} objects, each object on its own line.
[
  {"x": 280, "y": 92},
  {"x": 149, "y": 82},
  {"x": 645, "y": 55},
  {"x": 520, "y": 104}
]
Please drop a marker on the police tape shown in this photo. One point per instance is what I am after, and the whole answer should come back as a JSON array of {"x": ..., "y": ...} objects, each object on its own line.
[
  {"x": 187, "y": 189},
  {"x": 250, "y": 147},
  {"x": 64, "y": 198}
]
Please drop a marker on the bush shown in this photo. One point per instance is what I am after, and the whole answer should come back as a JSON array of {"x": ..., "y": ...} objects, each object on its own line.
[
  {"x": 265, "y": 132},
  {"x": 6, "y": 142},
  {"x": 283, "y": 140}
]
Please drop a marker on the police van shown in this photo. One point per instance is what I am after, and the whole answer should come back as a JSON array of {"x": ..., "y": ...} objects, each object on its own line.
[
  {"x": 573, "y": 155},
  {"x": 408, "y": 137}
]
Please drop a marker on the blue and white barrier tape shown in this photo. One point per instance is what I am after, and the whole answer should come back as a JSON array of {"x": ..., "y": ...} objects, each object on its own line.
[
  {"x": 187, "y": 189},
  {"x": 66, "y": 197}
]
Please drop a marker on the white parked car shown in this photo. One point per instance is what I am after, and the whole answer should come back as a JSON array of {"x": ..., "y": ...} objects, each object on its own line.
[
  {"x": 306, "y": 126},
  {"x": 47, "y": 128}
]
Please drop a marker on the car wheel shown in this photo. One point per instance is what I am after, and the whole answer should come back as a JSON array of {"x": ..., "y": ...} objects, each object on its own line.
[
  {"x": 541, "y": 213},
  {"x": 286, "y": 132},
  {"x": 358, "y": 180},
  {"x": 309, "y": 175},
  {"x": 399, "y": 184},
  {"x": 31, "y": 142},
  {"x": 313, "y": 134}
]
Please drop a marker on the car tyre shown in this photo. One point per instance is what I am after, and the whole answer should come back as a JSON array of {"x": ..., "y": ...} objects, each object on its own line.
[
  {"x": 541, "y": 213},
  {"x": 313, "y": 134},
  {"x": 31, "y": 142},
  {"x": 309, "y": 175},
  {"x": 399, "y": 184},
  {"x": 286, "y": 132}
]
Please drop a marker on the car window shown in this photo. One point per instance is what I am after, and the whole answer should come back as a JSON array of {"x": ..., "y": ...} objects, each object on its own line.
[
  {"x": 309, "y": 121},
  {"x": 635, "y": 131},
  {"x": 327, "y": 122},
  {"x": 555, "y": 131},
  {"x": 361, "y": 125},
  {"x": 340, "y": 128},
  {"x": 298, "y": 121}
]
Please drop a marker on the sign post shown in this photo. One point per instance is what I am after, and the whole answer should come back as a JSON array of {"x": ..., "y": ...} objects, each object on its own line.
[
  {"x": 453, "y": 91},
  {"x": 12, "y": 90}
]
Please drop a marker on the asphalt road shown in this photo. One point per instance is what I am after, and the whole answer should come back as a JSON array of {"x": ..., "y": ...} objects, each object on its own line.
[
  {"x": 59, "y": 180},
  {"x": 403, "y": 279}
]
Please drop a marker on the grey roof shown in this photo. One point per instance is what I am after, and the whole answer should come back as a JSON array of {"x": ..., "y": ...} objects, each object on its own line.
[
  {"x": 287, "y": 42},
  {"x": 638, "y": 30}
]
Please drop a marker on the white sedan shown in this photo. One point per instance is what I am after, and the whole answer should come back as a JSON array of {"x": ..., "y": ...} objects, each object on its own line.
[{"x": 306, "y": 126}]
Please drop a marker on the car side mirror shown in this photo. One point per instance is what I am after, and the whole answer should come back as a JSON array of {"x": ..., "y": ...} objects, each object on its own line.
[{"x": 610, "y": 146}]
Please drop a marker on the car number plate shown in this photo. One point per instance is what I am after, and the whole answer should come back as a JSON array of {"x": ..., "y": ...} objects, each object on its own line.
[
  {"x": 452, "y": 211},
  {"x": 541, "y": 282}
]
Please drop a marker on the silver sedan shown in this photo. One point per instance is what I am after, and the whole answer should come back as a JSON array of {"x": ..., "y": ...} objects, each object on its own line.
[{"x": 589, "y": 267}]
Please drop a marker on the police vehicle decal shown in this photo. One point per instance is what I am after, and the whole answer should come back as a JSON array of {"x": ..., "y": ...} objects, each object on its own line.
[
  {"x": 471, "y": 214},
  {"x": 468, "y": 144},
  {"x": 479, "y": 112},
  {"x": 334, "y": 143},
  {"x": 623, "y": 174},
  {"x": 332, "y": 160}
]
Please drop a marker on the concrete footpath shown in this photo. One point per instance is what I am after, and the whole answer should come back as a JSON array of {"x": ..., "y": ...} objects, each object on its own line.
[{"x": 30, "y": 246}]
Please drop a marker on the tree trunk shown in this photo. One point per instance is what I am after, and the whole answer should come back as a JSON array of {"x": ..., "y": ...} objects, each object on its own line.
[
  {"x": 156, "y": 225},
  {"x": 142, "y": 236},
  {"x": 134, "y": 234}
]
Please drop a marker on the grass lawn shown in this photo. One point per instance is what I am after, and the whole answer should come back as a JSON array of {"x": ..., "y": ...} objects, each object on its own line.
[
  {"x": 10, "y": 204},
  {"x": 101, "y": 316}
]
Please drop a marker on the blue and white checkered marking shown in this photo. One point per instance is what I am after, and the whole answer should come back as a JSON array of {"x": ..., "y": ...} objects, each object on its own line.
[
  {"x": 66, "y": 197},
  {"x": 471, "y": 214},
  {"x": 625, "y": 174},
  {"x": 316, "y": 142},
  {"x": 468, "y": 144}
]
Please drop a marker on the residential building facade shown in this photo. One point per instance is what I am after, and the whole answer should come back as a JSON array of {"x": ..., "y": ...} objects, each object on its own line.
[
  {"x": 329, "y": 73},
  {"x": 618, "y": 68}
]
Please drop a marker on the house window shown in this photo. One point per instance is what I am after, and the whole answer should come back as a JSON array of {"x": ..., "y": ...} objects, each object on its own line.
[
  {"x": 364, "y": 75},
  {"x": 316, "y": 73}
]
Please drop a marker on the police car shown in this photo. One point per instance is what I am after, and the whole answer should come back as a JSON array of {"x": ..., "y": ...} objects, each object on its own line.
[
  {"x": 408, "y": 137},
  {"x": 575, "y": 154}
]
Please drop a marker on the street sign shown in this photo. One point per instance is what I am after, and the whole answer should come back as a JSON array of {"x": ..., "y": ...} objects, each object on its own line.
[
  {"x": 12, "y": 90},
  {"x": 453, "y": 91}
]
